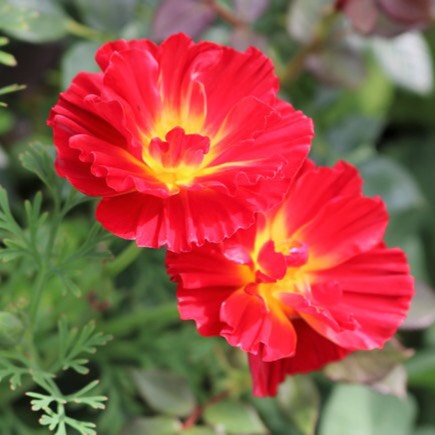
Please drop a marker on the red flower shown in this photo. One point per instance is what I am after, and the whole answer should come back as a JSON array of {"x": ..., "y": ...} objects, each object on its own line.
[
  {"x": 185, "y": 142},
  {"x": 309, "y": 283}
]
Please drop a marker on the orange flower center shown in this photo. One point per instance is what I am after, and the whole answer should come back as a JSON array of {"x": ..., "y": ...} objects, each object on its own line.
[
  {"x": 281, "y": 273},
  {"x": 174, "y": 149}
]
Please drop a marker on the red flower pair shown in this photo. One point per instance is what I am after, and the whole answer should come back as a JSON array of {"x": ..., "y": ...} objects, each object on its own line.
[{"x": 189, "y": 148}]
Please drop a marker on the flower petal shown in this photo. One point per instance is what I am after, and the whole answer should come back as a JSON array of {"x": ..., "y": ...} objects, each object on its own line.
[
  {"x": 377, "y": 291},
  {"x": 131, "y": 78},
  {"x": 177, "y": 222},
  {"x": 255, "y": 328},
  {"x": 342, "y": 229},
  {"x": 121, "y": 171},
  {"x": 312, "y": 353}
]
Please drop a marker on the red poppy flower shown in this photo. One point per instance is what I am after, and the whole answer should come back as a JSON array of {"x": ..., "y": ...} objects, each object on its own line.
[
  {"x": 185, "y": 141},
  {"x": 310, "y": 282}
]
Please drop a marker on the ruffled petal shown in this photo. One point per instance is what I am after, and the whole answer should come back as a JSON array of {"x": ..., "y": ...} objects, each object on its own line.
[
  {"x": 236, "y": 76},
  {"x": 256, "y": 328},
  {"x": 257, "y": 142},
  {"x": 376, "y": 291},
  {"x": 177, "y": 222},
  {"x": 120, "y": 170},
  {"x": 105, "y": 52},
  {"x": 131, "y": 78},
  {"x": 113, "y": 136},
  {"x": 314, "y": 188}
]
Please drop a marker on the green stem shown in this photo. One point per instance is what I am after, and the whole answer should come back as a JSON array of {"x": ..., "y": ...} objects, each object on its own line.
[
  {"x": 123, "y": 260},
  {"x": 41, "y": 281},
  {"x": 156, "y": 316},
  {"x": 44, "y": 271},
  {"x": 78, "y": 29}
]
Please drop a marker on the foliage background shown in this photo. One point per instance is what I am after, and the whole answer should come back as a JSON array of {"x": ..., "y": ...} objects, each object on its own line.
[{"x": 85, "y": 317}]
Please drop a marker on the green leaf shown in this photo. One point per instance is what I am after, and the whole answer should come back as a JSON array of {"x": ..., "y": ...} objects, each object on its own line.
[
  {"x": 13, "y": 17},
  {"x": 421, "y": 369},
  {"x": 406, "y": 60},
  {"x": 165, "y": 392},
  {"x": 11, "y": 330},
  {"x": 235, "y": 418},
  {"x": 396, "y": 186},
  {"x": 353, "y": 138},
  {"x": 79, "y": 57},
  {"x": 356, "y": 410},
  {"x": 73, "y": 343},
  {"x": 7, "y": 59},
  {"x": 199, "y": 430},
  {"x": 107, "y": 15},
  {"x": 38, "y": 158},
  {"x": 11, "y": 88},
  {"x": 424, "y": 430},
  {"x": 6, "y": 124},
  {"x": 153, "y": 426},
  {"x": 299, "y": 399},
  {"x": 45, "y": 20}
]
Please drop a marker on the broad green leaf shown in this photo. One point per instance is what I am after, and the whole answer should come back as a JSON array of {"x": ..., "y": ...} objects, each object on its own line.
[
  {"x": 11, "y": 330},
  {"x": 396, "y": 186},
  {"x": 353, "y": 138},
  {"x": 424, "y": 430},
  {"x": 165, "y": 392},
  {"x": 357, "y": 410},
  {"x": 79, "y": 57},
  {"x": 406, "y": 60},
  {"x": 274, "y": 416},
  {"x": 45, "y": 20},
  {"x": 153, "y": 426},
  {"x": 235, "y": 418},
  {"x": 14, "y": 17},
  {"x": 107, "y": 15},
  {"x": 421, "y": 369},
  {"x": 199, "y": 430},
  {"x": 299, "y": 399}
]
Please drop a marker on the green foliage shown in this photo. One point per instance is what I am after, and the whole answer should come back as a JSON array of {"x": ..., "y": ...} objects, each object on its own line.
[{"x": 366, "y": 412}]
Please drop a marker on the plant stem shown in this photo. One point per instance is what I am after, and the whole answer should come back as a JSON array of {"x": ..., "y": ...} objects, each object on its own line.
[
  {"x": 199, "y": 410},
  {"x": 225, "y": 13},
  {"x": 40, "y": 283},
  {"x": 123, "y": 260},
  {"x": 157, "y": 316},
  {"x": 78, "y": 29}
]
